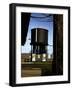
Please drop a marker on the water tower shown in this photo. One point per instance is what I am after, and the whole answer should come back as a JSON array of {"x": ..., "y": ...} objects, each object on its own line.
[{"x": 39, "y": 43}]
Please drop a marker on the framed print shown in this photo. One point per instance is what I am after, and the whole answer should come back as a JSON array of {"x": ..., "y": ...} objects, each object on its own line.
[{"x": 39, "y": 44}]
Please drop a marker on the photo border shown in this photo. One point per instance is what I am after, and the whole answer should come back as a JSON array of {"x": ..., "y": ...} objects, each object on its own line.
[{"x": 12, "y": 43}]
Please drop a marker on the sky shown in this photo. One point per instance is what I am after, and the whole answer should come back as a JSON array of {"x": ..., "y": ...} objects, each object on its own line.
[{"x": 46, "y": 23}]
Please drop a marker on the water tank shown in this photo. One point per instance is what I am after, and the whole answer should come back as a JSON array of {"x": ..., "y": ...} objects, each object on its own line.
[{"x": 39, "y": 36}]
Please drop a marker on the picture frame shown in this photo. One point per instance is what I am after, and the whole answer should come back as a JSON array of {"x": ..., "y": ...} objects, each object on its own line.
[{"x": 19, "y": 20}]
